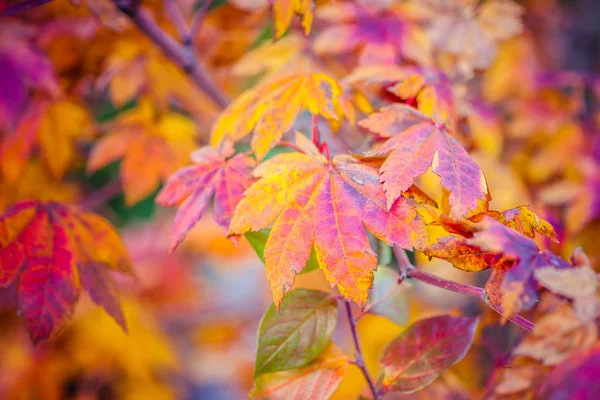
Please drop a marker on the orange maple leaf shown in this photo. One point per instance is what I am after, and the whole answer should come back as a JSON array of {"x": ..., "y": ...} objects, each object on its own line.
[
  {"x": 271, "y": 108},
  {"x": 415, "y": 143},
  {"x": 215, "y": 172},
  {"x": 152, "y": 146},
  {"x": 328, "y": 205},
  {"x": 52, "y": 128},
  {"x": 48, "y": 251}
]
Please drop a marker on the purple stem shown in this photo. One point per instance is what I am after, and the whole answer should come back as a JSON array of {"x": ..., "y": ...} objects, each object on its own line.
[
  {"x": 101, "y": 196},
  {"x": 15, "y": 8},
  {"x": 179, "y": 54},
  {"x": 359, "y": 359},
  {"x": 407, "y": 270}
]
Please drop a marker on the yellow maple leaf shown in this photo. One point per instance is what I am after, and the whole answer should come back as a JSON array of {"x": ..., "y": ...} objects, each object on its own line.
[{"x": 271, "y": 108}]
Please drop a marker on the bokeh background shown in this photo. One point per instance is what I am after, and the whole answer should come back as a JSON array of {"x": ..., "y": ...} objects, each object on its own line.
[{"x": 70, "y": 74}]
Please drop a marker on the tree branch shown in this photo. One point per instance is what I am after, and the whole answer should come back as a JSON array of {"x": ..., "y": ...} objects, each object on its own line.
[
  {"x": 15, "y": 8},
  {"x": 407, "y": 270},
  {"x": 198, "y": 20},
  {"x": 102, "y": 195},
  {"x": 360, "y": 362},
  {"x": 182, "y": 56}
]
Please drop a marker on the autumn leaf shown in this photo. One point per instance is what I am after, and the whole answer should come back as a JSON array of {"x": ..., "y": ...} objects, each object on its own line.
[
  {"x": 415, "y": 143},
  {"x": 271, "y": 108},
  {"x": 296, "y": 333},
  {"x": 556, "y": 336},
  {"x": 314, "y": 381},
  {"x": 215, "y": 172},
  {"x": 430, "y": 88},
  {"x": 136, "y": 69},
  {"x": 421, "y": 353},
  {"x": 579, "y": 284},
  {"x": 576, "y": 378},
  {"x": 22, "y": 66},
  {"x": 271, "y": 58},
  {"x": 49, "y": 251},
  {"x": 383, "y": 36},
  {"x": 53, "y": 128},
  {"x": 36, "y": 183},
  {"x": 515, "y": 280},
  {"x": 470, "y": 30},
  {"x": 152, "y": 145},
  {"x": 283, "y": 13},
  {"x": 461, "y": 254},
  {"x": 313, "y": 202},
  {"x": 258, "y": 241}
]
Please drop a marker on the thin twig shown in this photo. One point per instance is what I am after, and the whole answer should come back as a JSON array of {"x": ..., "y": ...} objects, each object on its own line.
[
  {"x": 359, "y": 361},
  {"x": 290, "y": 145},
  {"x": 174, "y": 11},
  {"x": 198, "y": 20},
  {"x": 12, "y": 8},
  {"x": 176, "y": 52},
  {"x": 102, "y": 195},
  {"x": 407, "y": 270}
]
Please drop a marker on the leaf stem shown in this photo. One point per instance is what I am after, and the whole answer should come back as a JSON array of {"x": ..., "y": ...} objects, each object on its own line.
[
  {"x": 198, "y": 20},
  {"x": 290, "y": 145},
  {"x": 359, "y": 361},
  {"x": 316, "y": 136},
  {"x": 182, "y": 55},
  {"x": 324, "y": 147},
  {"x": 407, "y": 270}
]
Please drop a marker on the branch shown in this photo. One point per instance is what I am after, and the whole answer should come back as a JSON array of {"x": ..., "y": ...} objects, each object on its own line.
[
  {"x": 15, "y": 8},
  {"x": 359, "y": 362},
  {"x": 102, "y": 195},
  {"x": 198, "y": 20},
  {"x": 407, "y": 270},
  {"x": 176, "y": 52}
]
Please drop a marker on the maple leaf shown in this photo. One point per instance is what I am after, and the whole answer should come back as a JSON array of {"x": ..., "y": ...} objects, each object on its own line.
[
  {"x": 271, "y": 108},
  {"x": 153, "y": 145},
  {"x": 470, "y": 30},
  {"x": 515, "y": 279},
  {"x": 421, "y": 353},
  {"x": 136, "y": 68},
  {"x": 36, "y": 183},
  {"x": 576, "y": 378},
  {"x": 192, "y": 188},
  {"x": 415, "y": 143},
  {"x": 556, "y": 336},
  {"x": 272, "y": 58},
  {"x": 54, "y": 127},
  {"x": 316, "y": 380},
  {"x": 461, "y": 254},
  {"x": 579, "y": 284},
  {"x": 284, "y": 10},
  {"x": 326, "y": 205},
  {"x": 22, "y": 66},
  {"x": 382, "y": 35},
  {"x": 429, "y": 87},
  {"x": 49, "y": 251}
]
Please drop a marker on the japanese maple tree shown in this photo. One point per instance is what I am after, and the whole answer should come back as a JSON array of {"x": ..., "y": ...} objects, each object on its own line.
[{"x": 350, "y": 141}]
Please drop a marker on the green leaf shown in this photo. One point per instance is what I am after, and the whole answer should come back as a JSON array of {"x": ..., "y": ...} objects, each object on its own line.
[
  {"x": 297, "y": 333},
  {"x": 259, "y": 239},
  {"x": 422, "y": 352},
  {"x": 314, "y": 381},
  {"x": 388, "y": 298}
]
